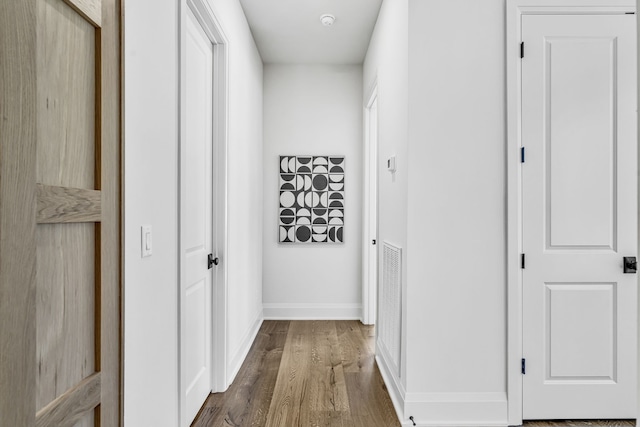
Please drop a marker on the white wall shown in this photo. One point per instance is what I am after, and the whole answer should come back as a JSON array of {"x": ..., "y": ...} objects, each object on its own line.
[
  {"x": 244, "y": 259},
  {"x": 387, "y": 63},
  {"x": 457, "y": 166},
  {"x": 150, "y": 197},
  {"x": 314, "y": 110},
  {"x": 444, "y": 60}
]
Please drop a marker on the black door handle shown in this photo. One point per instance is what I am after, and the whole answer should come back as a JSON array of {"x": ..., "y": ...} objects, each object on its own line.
[
  {"x": 630, "y": 264},
  {"x": 213, "y": 261}
]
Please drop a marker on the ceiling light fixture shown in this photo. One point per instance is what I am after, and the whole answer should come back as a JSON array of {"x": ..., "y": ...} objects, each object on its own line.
[{"x": 327, "y": 20}]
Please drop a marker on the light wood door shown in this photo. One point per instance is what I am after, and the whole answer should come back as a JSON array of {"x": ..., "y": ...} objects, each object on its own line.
[
  {"x": 579, "y": 216},
  {"x": 60, "y": 209},
  {"x": 196, "y": 229}
]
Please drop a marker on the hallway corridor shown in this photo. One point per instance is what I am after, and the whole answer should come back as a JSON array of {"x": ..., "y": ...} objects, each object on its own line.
[{"x": 307, "y": 373}]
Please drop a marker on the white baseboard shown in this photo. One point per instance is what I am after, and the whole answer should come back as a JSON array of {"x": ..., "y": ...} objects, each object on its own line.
[
  {"x": 305, "y": 311},
  {"x": 394, "y": 386},
  {"x": 458, "y": 409},
  {"x": 245, "y": 345},
  {"x": 442, "y": 409}
]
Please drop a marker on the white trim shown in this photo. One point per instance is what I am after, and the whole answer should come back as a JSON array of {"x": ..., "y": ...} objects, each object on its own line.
[
  {"x": 213, "y": 29},
  {"x": 457, "y": 409},
  {"x": 442, "y": 409},
  {"x": 395, "y": 388},
  {"x": 515, "y": 10},
  {"x": 205, "y": 15},
  {"x": 240, "y": 354},
  {"x": 313, "y": 311},
  {"x": 369, "y": 290},
  {"x": 514, "y": 282}
]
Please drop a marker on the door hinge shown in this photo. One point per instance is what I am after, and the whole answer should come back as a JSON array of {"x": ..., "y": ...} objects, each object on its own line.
[
  {"x": 521, "y": 49},
  {"x": 521, "y": 154},
  {"x": 522, "y": 261},
  {"x": 523, "y": 367}
]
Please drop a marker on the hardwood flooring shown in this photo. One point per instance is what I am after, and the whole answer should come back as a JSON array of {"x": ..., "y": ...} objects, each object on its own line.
[
  {"x": 317, "y": 373},
  {"x": 305, "y": 373}
]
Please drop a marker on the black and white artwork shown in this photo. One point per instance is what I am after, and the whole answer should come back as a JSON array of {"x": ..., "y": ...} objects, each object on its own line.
[{"x": 311, "y": 199}]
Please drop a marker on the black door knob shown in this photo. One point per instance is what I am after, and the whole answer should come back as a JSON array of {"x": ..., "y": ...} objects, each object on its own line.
[
  {"x": 213, "y": 261},
  {"x": 630, "y": 264}
]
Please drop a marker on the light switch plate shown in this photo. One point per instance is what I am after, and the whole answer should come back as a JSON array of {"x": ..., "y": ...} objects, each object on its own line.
[{"x": 146, "y": 241}]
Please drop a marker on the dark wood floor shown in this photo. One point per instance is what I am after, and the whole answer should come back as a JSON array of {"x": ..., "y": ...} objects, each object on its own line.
[
  {"x": 305, "y": 373},
  {"x": 316, "y": 373}
]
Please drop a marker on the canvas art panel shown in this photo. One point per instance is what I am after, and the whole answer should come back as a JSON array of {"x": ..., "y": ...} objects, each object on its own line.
[{"x": 311, "y": 199}]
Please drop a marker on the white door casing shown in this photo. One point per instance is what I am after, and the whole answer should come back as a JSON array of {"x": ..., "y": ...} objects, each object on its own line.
[
  {"x": 196, "y": 220},
  {"x": 579, "y": 216},
  {"x": 370, "y": 212},
  {"x": 206, "y": 16},
  {"x": 212, "y": 27}
]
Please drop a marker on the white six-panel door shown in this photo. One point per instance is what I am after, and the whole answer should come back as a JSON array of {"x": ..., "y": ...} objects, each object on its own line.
[
  {"x": 579, "y": 216},
  {"x": 196, "y": 220}
]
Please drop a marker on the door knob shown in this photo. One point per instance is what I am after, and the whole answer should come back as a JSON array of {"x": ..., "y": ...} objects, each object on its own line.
[
  {"x": 213, "y": 261},
  {"x": 630, "y": 264}
]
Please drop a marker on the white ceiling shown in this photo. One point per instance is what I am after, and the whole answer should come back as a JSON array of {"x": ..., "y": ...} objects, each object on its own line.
[{"x": 289, "y": 31}]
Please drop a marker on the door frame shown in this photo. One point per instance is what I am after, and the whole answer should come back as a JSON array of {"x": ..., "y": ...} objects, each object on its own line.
[
  {"x": 213, "y": 29},
  {"x": 515, "y": 10},
  {"x": 369, "y": 287}
]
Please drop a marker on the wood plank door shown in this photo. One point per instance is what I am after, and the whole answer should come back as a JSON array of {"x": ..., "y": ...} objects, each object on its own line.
[
  {"x": 196, "y": 223},
  {"x": 60, "y": 209},
  {"x": 580, "y": 212}
]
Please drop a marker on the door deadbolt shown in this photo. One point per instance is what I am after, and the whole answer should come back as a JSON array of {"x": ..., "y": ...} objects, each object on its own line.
[{"x": 630, "y": 264}]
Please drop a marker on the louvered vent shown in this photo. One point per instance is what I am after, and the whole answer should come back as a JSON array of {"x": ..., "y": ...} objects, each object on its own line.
[{"x": 390, "y": 315}]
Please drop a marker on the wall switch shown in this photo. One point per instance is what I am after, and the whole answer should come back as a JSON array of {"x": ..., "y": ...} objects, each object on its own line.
[
  {"x": 146, "y": 241},
  {"x": 391, "y": 164}
]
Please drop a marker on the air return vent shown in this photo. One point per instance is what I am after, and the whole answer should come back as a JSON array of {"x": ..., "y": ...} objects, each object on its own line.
[{"x": 390, "y": 315}]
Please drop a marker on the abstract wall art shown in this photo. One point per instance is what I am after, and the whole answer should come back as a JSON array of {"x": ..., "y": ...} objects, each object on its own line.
[{"x": 311, "y": 199}]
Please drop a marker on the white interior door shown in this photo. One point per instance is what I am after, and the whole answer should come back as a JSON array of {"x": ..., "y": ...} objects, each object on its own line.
[
  {"x": 196, "y": 220},
  {"x": 370, "y": 268},
  {"x": 579, "y": 209}
]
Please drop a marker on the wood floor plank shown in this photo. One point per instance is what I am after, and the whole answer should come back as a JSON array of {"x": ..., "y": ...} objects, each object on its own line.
[
  {"x": 267, "y": 376},
  {"x": 357, "y": 350},
  {"x": 328, "y": 391},
  {"x": 291, "y": 393},
  {"x": 369, "y": 398},
  {"x": 329, "y": 419},
  {"x": 369, "y": 335}
]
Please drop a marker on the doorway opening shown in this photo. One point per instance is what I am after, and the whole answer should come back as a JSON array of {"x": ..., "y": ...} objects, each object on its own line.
[{"x": 202, "y": 207}]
